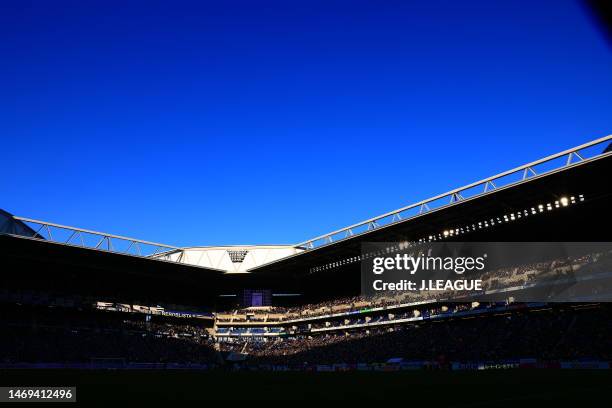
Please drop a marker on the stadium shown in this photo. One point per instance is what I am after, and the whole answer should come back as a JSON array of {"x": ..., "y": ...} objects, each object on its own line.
[
  {"x": 77, "y": 299},
  {"x": 226, "y": 202}
]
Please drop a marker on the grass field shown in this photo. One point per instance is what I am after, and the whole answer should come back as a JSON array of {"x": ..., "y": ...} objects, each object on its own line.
[{"x": 438, "y": 388}]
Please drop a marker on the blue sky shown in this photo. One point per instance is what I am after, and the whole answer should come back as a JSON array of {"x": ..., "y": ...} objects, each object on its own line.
[{"x": 202, "y": 123}]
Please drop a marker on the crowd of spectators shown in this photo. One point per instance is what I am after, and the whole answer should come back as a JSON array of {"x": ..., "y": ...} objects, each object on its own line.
[
  {"x": 561, "y": 332},
  {"x": 31, "y": 333},
  {"x": 499, "y": 278},
  {"x": 43, "y": 334},
  {"x": 545, "y": 334}
]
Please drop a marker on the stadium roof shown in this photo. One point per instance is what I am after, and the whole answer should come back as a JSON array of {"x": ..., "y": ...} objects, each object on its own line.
[
  {"x": 102, "y": 264},
  {"x": 528, "y": 173},
  {"x": 368, "y": 229},
  {"x": 510, "y": 178}
]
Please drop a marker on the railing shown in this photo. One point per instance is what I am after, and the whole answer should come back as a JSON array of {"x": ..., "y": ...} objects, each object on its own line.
[
  {"x": 93, "y": 239},
  {"x": 560, "y": 161}
]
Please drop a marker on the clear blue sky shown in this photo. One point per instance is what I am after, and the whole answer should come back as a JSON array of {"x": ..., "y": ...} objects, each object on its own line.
[{"x": 233, "y": 122}]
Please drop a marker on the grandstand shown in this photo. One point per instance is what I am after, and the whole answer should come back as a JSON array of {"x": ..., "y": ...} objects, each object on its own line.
[{"x": 73, "y": 297}]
